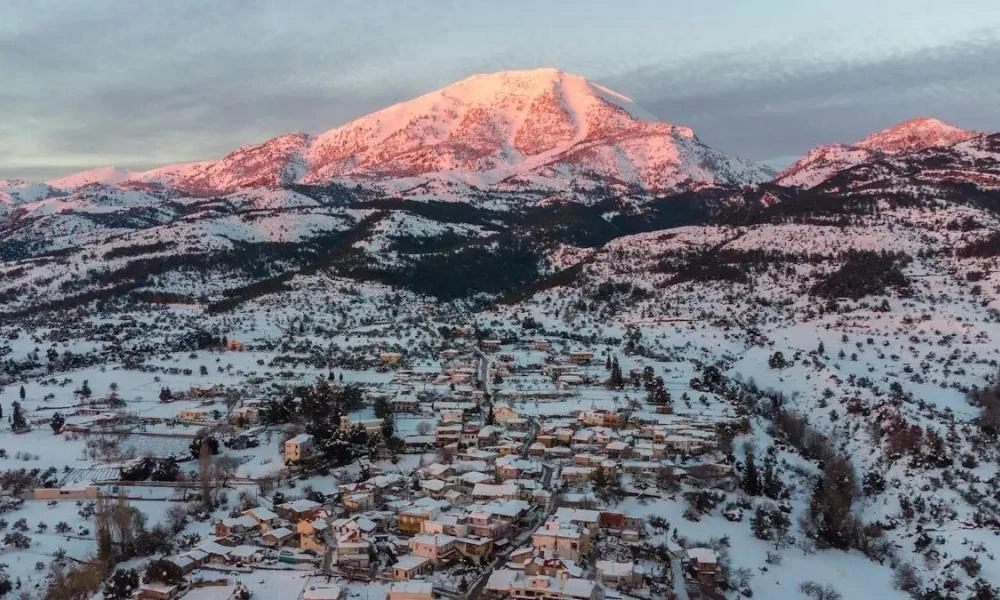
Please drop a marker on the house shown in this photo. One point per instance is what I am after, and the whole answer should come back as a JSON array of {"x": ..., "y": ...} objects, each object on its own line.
[
  {"x": 703, "y": 563},
  {"x": 84, "y": 491},
  {"x": 578, "y": 517},
  {"x": 245, "y": 415},
  {"x": 390, "y": 358},
  {"x": 581, "y": 357},
  {"x": 504, "y": 413},
  {"x": 576, "y": 474},
  {"x": 277, "y": 537},
  {"x": 599, "y": 417},
  {"x": 476, "y": 549},
  {"x": 411, "y": 590},
  {"x": 410, "y": 567},
  {"x": 505, "y": 491},
  {"x": 189, "y": 561},
  {"x": 360, "y": 501},
  {"x": 297, "y": 510},
  {"x": 449, "y": 354},
  {"x": 435, "y": 488},
  {"x": 158, "y": 591},
  {"x": 234, "y": 525},
  {"x": 245, "y": 554},
  {"x": 264, "y": 518},
  {"x": 355, "y": 555},
  {"x": 508, "y": 583},
  {"x": 325, "y": 591},
  {"x": 354, "y": 527},
  {"x": 405, "y": 403},
  {"x": 513, "y": 467},
  {"x": 472, "y": 478},
  {"x": 445, "y": 435},
  {"x": 489, "y": 345},
  {"x": 435, "y": 548},
  {"x": 410, "y": 518},
  {"x": 298, "y": 447},
  {"x": 311, "y": 534},
  {"x": 541, "y": 344},
  {"x": 619, "y": 575},
  {"x": 560, "y": 540},
  {"x": 193, "y": 414},
  {"x": 234, "y": 345}
]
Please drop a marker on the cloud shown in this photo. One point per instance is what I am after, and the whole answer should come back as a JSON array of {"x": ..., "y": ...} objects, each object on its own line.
[
  {"x": 769, "y": 106},
  {"x": 137, "y": 84}
]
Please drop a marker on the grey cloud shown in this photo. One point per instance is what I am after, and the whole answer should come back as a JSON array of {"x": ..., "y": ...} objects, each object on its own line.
[{"x": 776, "y": 107}]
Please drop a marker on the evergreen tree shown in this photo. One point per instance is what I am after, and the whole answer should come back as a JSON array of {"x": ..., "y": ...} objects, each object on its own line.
[
  {"x": 17, "y": 418},
  {"x": 382, "y": 407},
  {"x": 751, "y": 478},
  {"x": 203, "y": 438},
  {"x": 122, "y": 584},
  {"x": 22, "y": 393},
  {"x": 771, "y": 483},
  {"x": 388, "y": 427},
  {"x": 165, "y": 394},
  {"x": 57, "y": 422},
  {"x": 830, "y": 515},
  {"x": 85, "y": 391},
  {"x": 616, "y": 374}
]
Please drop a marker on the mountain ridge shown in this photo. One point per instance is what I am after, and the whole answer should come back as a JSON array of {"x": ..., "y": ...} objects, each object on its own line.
[{"x": 544, "y": 126}]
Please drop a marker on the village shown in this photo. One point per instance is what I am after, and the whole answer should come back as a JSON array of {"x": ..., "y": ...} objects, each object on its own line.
[{"x": 497, "y": 478}]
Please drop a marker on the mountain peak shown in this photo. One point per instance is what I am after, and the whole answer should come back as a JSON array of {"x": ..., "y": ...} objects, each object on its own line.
[
  {"x": 915, "y": 134},
  {"x": 538, "y": 128}
]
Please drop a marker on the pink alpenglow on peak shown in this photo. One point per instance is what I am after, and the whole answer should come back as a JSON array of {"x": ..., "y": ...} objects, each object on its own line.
[
  {"x": 544, "y": 128},
  {"x": 914, "y": 135},
  {"x": 822, "y": 162}
]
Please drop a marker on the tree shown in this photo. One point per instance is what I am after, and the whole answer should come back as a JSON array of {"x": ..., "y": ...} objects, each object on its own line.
[
  {"x": 382, "y": 407},
  {"x": 85, "y": 391},
  {"x": 177, "y": 517},
  {"x": 819, "y": 592},
  {"x": 205, "y": 474},
  {"x": 771, "y": 485},
  {"x": 388, "y": 427},
  {"x": 22, "y": 393},
  {"x": 203, "y": 439},
  {"x": 751, "y": 478},
  {"x": 616, "y": 381},
  {"x": 18, "y": 423},
  {"x": 165, "y": 394},
  {"x": 17, "y": 540},
  {"x": 122, "y": 584},
  {"x": 57, "y": 422},
  {"x": 830, "y": 517},
  {"x": 163, "y": 571}
]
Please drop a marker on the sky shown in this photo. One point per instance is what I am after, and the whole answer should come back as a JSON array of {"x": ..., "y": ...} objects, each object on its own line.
[{"x": 87, "y": 83}]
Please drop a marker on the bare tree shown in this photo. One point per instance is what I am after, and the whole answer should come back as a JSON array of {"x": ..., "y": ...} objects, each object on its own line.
[{"x": 205, "y": 472}]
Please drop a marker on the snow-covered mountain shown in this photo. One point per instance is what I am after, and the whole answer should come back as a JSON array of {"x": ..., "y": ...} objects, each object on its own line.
[
  {"x": 820, "y": 163},
  {"x": 510, "y": 130},
  {"x": 14, "y": 192},
  {"x": 915, "y": 134}
]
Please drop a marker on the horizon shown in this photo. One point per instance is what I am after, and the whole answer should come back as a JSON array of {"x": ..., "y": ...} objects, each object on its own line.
[{"x": 102, "y": 84}]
